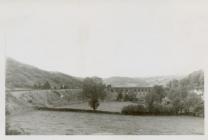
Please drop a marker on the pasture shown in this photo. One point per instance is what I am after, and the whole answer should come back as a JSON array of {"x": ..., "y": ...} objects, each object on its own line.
[
  {"x": 75, "y": 123},
  {"x": 104, "y": 106}
]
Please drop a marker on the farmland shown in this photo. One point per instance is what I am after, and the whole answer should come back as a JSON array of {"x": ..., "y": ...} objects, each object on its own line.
[
  {"x": 104, "y": 106},
  {"x": 72, "y": 123}
]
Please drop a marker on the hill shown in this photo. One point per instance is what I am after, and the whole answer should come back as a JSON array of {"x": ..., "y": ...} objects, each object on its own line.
[
  {"x": 20, "y": 75},
  {"x": 125, "y": 82},
  {"x": 194, "y": 80},
  {"x": 141, "y": 82}
]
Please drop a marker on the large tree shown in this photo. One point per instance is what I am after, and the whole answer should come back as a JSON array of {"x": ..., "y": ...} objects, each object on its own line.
[
  {"x": 93, "y": 90},
  {"x": 154, "y": 97}
]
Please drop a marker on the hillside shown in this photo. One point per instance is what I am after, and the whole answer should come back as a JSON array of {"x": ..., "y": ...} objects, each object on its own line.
[
  {"x": 20, "y": 101},
  {"x": 125, "y": 82},
  {"x": 141, "y": 82},
  {"x": 194, "y": 80},
  {"x": 20, "y": 75}
]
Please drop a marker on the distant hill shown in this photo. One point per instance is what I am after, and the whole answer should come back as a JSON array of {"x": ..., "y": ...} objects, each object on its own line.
[
  {"x": 125, "y": 82},
  {"x": 141, "y": 82},
  {"x": 20, "y": 75}
]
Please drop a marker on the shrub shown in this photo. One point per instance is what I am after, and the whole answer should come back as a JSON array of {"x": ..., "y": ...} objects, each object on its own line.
[
  {"x": 158, "y": 109},
  {"x": 134, "y": 110},
  {"x": 168, "y": 110}
]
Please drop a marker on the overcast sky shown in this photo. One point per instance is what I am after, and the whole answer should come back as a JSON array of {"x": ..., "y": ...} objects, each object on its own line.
[{"x": 108, "y": 38}]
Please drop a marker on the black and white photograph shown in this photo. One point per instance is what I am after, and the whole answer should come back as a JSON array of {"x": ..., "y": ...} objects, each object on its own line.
[{"x": 114, "y": 67}]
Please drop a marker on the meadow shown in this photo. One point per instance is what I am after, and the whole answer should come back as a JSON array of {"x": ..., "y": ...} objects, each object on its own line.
[{"x": 76, "y": 123}]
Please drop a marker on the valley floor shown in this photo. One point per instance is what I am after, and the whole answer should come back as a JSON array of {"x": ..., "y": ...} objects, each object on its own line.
[
  {"x": 75, "y": 123},
  {"x": 36, "y": 122},
  {"x": 104, "y": 106}
]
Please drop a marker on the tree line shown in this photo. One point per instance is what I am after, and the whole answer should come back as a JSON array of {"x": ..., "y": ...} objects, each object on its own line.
[
  {"x": 47, "y": 85},
  {"x": 169, "y": 101},
  {"x": 159, "y": 101}
]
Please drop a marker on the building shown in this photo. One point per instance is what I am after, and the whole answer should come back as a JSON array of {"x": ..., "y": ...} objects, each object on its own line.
[{"x": 139, "y": 92}]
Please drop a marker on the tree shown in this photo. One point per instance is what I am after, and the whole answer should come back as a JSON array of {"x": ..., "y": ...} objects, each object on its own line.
[
  {"x": 199, "y": 109},
  {"x": 46, "y": 85},
  {"x": 93, "y": 90},
  {"x": 178, "y": 105},
  {"x": 193, "y": 102},
  {"x": 126, "y": 97},
  {"x": 178, "y": 99},
  {"x": 119, "y": 96},
  {"x": 173, "y": 84},
  {"x": 94, "y": 103},
  {"x": 154, "y": 97},
  {"x": 132, "y": 97}
]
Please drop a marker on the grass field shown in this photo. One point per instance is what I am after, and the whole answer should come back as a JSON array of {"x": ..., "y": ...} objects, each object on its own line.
[
  {"x": 104, "y": 106},
  {"x": 71, "y": 123}
]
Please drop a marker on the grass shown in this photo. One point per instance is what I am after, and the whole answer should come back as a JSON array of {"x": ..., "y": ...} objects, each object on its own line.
[
  {"x": 69, "y": 123},
  {"x": 104, "y": 106}
]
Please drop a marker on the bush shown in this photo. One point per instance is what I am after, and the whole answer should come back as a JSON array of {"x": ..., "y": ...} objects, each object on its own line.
[
  {"x": 168, "y": 110},
  {"x": 134, "y": 110},
  {"x": 159, "y": 109}
]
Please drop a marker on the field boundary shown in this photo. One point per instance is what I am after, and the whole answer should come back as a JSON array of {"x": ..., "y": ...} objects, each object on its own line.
[
  {"x": 101, "y": 112},
  {"x": 77, "y": 110}
]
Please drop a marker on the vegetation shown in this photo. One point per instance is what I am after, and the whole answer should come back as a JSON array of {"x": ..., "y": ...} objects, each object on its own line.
[
  {"x": 177, "y": 98},
  {"x": 130, "y": 97},
  {"x": 119, "y": 97},
  {"x": 94, "y": 103},
  {"x": 20, "y": 75},
  {"x": 154, "y": 97},
  {"x": 195, "y": 80},
  {"x": 183, "y": 98},
  {"x": 134, "y": 110},
  {"x": 64, "y": 87},
  {"x": 126, "y": 97},
  {"x": 169, "y": 101},
  {"x": 93, "y": 90},
  {"x": 46, "y": 85}
]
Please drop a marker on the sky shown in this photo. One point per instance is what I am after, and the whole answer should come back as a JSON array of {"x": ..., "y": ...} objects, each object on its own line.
[{"x": 107, "y": 38}]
